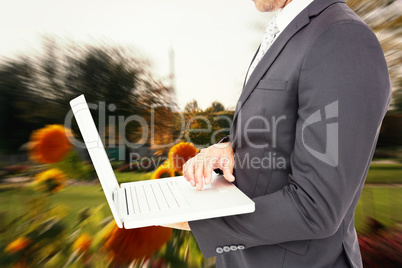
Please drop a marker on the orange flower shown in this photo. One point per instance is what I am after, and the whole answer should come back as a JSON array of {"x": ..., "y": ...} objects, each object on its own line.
[
  {"x": 163, "y": 171},
  {"x": 180, "y": 153},
  {"x": 18, "y": 245},
  {"x": 126, "y": 245},
  {"x": 50, "y": 181},
  {"x": 50, "y": 144},
  {"x": 22, "y": 263},
  {"x": 82, "y": 243}
]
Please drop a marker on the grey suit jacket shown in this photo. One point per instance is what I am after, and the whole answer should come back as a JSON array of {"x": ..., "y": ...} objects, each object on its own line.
[{"x": 303, "y": 133}]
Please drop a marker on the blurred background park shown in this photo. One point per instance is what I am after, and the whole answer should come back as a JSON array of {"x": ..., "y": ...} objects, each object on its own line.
[{"x": 177, "y": 64}]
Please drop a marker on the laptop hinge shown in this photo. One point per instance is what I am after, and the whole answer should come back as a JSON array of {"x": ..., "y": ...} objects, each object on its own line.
[{"x": 119, "y": 199}]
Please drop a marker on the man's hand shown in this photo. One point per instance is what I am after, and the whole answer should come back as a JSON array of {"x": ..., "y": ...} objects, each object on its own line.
[
  {"x": 198, "y": 169},
  {"x": 180, "y": 226}
]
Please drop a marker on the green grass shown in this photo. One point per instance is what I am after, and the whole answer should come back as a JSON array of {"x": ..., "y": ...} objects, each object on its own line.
[
  {"x": 379, "y": 202},
  {"x": 131, "y": 176},
  {"x": 384, "y": 173},
  {"x": 15, "y": 200},
  {"x": 382, "y": 202}
]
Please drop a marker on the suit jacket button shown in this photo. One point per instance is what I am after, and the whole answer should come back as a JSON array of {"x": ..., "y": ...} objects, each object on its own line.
[
  {"x": 233, "y": 248},
  {"x": 219, "y": 250},
  {"x": 226, "y": 248},
  {"x": 240, "y": 247}
]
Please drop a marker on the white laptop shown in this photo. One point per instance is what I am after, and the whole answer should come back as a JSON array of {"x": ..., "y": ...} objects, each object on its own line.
[{"x": 161, "y": 201}]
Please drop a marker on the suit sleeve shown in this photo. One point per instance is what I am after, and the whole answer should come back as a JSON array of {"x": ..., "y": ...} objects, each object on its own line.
[{"x": 344, "y": 76}]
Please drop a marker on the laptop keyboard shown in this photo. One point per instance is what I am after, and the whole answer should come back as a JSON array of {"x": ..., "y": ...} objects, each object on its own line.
[{"x": 152, "y": 197}]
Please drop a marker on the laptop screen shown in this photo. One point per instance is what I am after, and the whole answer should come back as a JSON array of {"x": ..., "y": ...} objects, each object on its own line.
[{"x": 97, "y": 153}]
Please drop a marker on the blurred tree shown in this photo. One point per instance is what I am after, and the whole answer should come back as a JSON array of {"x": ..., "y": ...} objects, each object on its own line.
[
  {"x": 202, "y": 128},
  {"x": 103, "y": 74},
  {"x": 385, "y": 18},
  {"x": 391, "y": 132},
  {"x": 19, "y": 109},
  {"x": 398, "y": 98},
  {"x": 205, "y": 128},
  {"x": 215, "y": 107},
  {"x": 36, "y": 91},
  {"x": 192, "y": 107}
]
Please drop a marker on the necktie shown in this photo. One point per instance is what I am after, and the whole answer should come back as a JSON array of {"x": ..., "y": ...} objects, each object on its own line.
[{"x": 270, "y": 33}]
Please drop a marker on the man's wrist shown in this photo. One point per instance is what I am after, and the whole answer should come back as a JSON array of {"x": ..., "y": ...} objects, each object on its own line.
[{"x": 223, "y": 140}]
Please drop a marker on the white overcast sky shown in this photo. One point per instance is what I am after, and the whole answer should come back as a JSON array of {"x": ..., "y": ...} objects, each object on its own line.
[{"x": 213, "y": 40}]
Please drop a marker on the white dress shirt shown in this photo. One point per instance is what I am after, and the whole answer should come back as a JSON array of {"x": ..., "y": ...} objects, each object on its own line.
[
  {"x": 289, "y": 12},
  {"x": 283, "y": 18}
]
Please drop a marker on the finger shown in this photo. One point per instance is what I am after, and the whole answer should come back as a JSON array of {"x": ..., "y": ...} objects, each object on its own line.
[
  {"x": 184, "y": 169},
  {"x": 227, "y": 168},
  {"x": 199, "y": 171},
  {"x": 188, "y": 171},
  {"x": 210, "y": 164}
]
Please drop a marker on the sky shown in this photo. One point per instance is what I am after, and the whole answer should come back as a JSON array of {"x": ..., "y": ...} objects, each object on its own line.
[{"x": 213, "y": 40}]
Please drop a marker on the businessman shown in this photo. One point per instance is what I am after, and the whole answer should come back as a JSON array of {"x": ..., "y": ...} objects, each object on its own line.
[{"x": 302, "y": 138}]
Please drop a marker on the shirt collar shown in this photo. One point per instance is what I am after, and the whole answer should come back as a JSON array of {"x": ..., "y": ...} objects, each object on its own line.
[{"x": 289, "y": 12}]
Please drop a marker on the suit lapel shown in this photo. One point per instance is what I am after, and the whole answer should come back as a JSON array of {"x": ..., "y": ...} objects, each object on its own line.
[
  {"x": 298, "y": 23},
  {"x": 255, "y": 55},
  {"x": 269, "y": 58}
]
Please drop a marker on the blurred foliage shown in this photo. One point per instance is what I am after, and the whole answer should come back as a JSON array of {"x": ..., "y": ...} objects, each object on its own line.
[
  {"x": 215, "y": 107},
  {"x": 76, "y": 203},
  {"x": 50, "y": 181},
  {"x": 385, "y": 18},
  {"x": 40, "y": 235},
  {"x": 192, "y": 107},
  {"x": 18, "y": 103},
  {"x": 54, "y": 230},
  {"x": 382, "y": 246},
  {"x": 391, "y": 131},
  {"x": 379, "y": 201},
  {"x": 184, "y": 245},
  {"x": 35, "y": 91},
  {"x": 43, "y": 235},
  {"x": 203, "y": 128},
  {"x": 389, "y": 145},
  {"x": 206, "y": 128},
  {"x": 41, "y": 226},
  {"x": 200, "y": 127},
  {"x": 75, "y": 168},
  {"x": 388, "y": 173}
]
